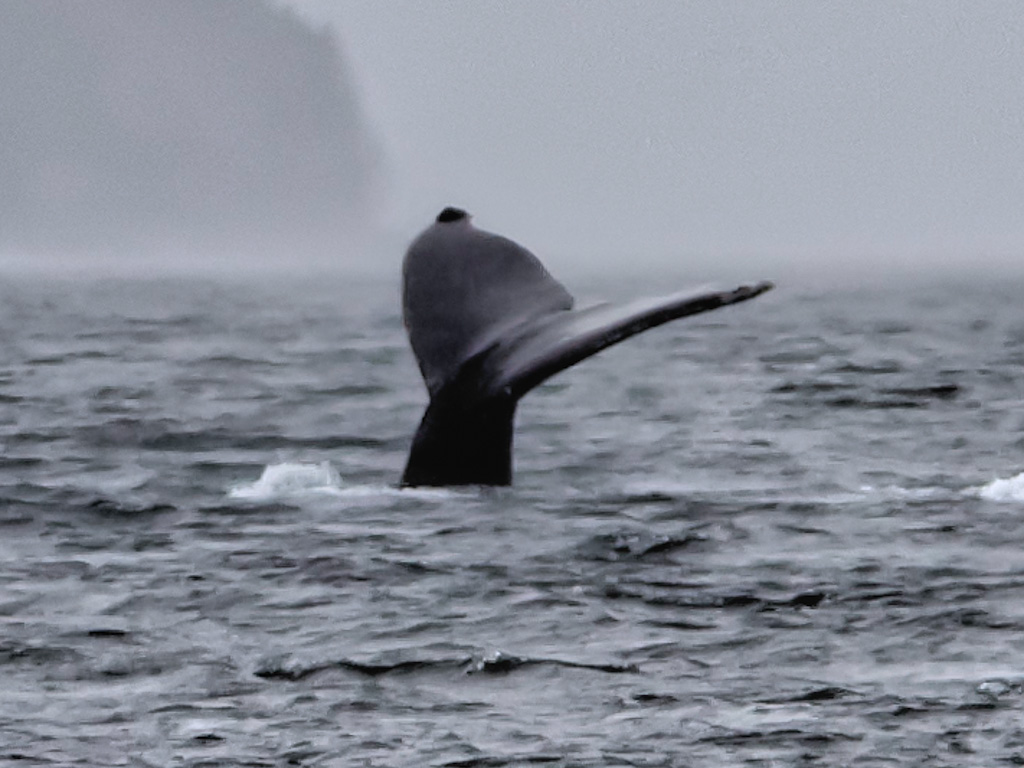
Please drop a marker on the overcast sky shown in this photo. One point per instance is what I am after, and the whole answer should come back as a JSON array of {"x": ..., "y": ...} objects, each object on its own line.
[{"x": 659, "y": 130}]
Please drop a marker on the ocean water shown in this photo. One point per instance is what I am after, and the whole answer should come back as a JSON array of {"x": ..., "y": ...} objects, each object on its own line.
[{"x": 785, "y": 533}]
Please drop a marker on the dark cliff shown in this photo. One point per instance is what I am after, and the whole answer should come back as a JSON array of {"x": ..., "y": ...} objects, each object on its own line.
[{"x": 126, "y": 125}]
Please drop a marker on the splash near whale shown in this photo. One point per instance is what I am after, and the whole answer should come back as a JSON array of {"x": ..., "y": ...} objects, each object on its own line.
[{"x": 488, "y": 323}]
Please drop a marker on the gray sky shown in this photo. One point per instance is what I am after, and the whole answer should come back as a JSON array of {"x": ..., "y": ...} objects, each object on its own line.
[{"x": 877, "y": 131}]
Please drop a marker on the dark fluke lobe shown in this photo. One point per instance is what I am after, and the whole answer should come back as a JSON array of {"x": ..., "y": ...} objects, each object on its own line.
[{"x": 487, "y": 324}]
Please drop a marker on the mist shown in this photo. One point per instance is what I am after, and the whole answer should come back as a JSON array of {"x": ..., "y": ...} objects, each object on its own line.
[
  {"x": 700, "y": 136},
  {"x": 196, "y": 133}
]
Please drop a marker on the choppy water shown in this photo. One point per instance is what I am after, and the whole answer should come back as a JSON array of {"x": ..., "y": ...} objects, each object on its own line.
[{"x": 786, "y": 533}]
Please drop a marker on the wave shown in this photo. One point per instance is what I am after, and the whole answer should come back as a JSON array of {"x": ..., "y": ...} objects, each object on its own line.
[
  {"x": 706, "y": 486},
  {"x": 1004, "y": 489},
  {"x": 286, "y": 667},
  {"x": 290, "y": 480}
]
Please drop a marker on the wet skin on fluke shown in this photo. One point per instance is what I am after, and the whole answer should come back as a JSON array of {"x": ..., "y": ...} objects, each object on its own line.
[{"x": 487, "y": 324}]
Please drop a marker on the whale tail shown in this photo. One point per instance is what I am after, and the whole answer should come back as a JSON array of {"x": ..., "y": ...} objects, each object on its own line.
[{"x": 487, "y": 324}]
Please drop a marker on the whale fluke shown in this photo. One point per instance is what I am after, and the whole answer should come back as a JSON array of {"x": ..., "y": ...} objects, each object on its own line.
[
  {"x": 487, "y": 324},
  {"x": 464, "y": 289}
]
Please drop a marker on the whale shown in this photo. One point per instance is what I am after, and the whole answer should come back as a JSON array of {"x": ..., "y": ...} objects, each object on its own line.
[{"x": 487, "y": 323}]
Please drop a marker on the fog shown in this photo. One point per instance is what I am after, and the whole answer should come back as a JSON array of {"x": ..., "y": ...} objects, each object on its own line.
[
  {"x": 766, "y": 138},
  {"x": 189, "y": 132},
  {"x": 799, "y": 134}
]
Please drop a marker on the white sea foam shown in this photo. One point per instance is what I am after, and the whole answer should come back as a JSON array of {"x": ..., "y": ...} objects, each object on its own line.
[
  {"x": 291, "y": 480},
  {"x": 900, "y": 493},
  {"x": 701, "y": 484},
  {"x": 1008, "y": 489}
]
